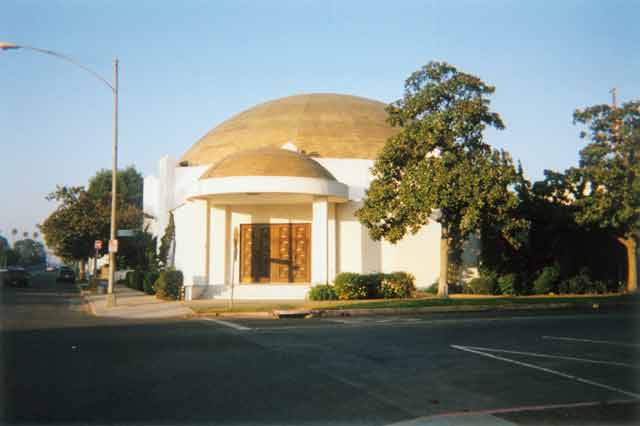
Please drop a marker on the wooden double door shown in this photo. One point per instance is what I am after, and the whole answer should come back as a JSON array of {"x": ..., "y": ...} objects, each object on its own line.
[{"x": 278, "y": 253}]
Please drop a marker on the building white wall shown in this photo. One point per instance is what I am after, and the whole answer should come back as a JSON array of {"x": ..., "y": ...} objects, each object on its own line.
[
  {"x": 350, "y": 249},
  {"x": 190, "y": 247}
]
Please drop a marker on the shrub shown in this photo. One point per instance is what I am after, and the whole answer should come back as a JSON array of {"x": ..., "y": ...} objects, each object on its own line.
[
  {"x": 484, "y": 285},
  {"x": 433, "y": 288},
  {"x": 135, "y": 279},
  {"x": 322, "y": 292},
  {"x": 507, "y": 284},
  {"x": 456, "y": 288},
  {"x": 397, "y": 285},
  {"x": 149, "y": 280},
  {"x": 547, "y": 280},
  {"x": 128, "y": 278},
  {"x": 582, "y": 283},
  {"x": 169, "y": 284},
  {"x": 349, "y": 286}
]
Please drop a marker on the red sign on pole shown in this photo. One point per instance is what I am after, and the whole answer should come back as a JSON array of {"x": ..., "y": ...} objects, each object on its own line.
[
  {"x": 98, "y": 244},
  {"x": 113, "y": 246}
]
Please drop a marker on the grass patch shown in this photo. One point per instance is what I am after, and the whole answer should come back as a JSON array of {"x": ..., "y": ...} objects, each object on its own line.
[{"x": 419, "y": 302}]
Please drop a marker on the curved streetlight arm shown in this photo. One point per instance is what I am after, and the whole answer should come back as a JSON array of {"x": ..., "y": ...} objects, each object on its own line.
[
  {"x": 114, "y": 169},
  {"x": 10, "y": 46}
]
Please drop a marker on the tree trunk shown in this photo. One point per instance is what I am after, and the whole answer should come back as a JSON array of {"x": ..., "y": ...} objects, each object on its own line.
[
  {"x": 631, "y": 246},
  {"x": 443, "y": 288},
  {"x": 82, "y": 270}
]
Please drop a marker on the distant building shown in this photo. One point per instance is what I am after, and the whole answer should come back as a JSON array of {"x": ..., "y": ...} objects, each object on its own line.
[{"x": 266, "y": 200}]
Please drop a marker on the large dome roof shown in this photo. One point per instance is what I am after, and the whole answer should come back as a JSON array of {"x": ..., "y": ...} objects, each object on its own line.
[{"x": 322, "y": 125}]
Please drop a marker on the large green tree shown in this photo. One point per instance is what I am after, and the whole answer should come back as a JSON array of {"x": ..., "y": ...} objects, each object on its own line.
[
  {"x": 84, "y": 216},
  {"x": 130, "y": 186},
  {"x": 605, "y": 188},
  {"x": 30, "y": 252},
  {"x": 79, "y": 220},
  {"x": 438, "y": 167}
]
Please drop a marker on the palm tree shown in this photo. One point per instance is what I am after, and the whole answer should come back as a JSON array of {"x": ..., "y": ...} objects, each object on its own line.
[
  {"x": 35, "y": 235},
  {"x": 14, "y": 232},
  {"x": 25, "y": 234}
]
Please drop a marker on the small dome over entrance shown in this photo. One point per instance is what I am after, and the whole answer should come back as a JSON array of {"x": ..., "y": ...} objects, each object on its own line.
[{"x": 267, "y": 162}]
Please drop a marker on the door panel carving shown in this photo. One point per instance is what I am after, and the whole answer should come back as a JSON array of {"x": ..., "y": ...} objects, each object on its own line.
[{"x": 275, "y": 253}]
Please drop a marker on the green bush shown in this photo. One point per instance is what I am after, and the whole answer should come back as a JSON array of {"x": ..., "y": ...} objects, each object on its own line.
[
  {"x": 169, "y": 284},
  {"x": 508, "y": 284},
  {"x": 322, "y": 292},
  {"x": 582, "y": 283},
  {"x": 128, "y": 278},
  {"x": 433, "y": 288},
  {"x": 349, "y": 286},
  {"x": 397, "y": 285},
  {"x": 484, "y": 285},
  {"x": 135, "y": 279},
  {"x": 149, "y": 280},
  {"x": 547, "y": 280}
]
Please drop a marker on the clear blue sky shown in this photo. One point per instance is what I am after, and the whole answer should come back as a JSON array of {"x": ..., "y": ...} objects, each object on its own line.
[{"x": 187, "y": 67}]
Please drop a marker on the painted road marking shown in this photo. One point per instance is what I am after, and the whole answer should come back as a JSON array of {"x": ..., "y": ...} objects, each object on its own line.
[
  {"x": 548, "y": 370},
  {"x": 602, "y": 342},
  {"x": 568, "y": 358},
  {"x": 432, "y": 419},
  {"x": 228, "y": 324}
]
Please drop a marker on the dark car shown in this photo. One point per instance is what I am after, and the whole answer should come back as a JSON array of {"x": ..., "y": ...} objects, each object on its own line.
[
  {"x": 66, "y": 274},
  {"x": 17, "y": 277}
]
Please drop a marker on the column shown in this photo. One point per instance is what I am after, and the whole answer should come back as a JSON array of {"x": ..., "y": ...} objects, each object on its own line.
[
  {"x": 319, "y": 241},
  {"x": 219, "y": 245}
]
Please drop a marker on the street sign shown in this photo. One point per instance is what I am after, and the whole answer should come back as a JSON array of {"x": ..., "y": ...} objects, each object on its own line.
[
  {"x": 113, "y": 246},
  {"x": 98, "y": 245},
  {"x": 125, "y": 233}
]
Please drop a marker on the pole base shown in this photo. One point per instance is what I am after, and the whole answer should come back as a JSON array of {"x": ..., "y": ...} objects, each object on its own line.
[{"x": 110, "y": 301}]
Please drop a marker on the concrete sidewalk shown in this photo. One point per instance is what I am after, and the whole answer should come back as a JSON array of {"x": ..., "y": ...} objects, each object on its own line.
[{"x": 133, "y": 304}]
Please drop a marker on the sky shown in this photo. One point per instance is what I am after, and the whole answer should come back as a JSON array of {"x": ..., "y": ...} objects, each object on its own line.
[{"x": 187, "y": 66}]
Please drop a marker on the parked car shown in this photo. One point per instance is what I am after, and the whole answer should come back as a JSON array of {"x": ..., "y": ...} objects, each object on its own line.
[
  {"x": 51, "y": 268},
  {"x": 17, "y": 277},
  {"x": 66, "y": 274}
]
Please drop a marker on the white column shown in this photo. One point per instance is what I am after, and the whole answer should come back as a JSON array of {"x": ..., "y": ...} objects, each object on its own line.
[
  {"x": 332, "y": 242},
  {"x": 219, "y": 245},
  {"x": 319, "y": 241}
]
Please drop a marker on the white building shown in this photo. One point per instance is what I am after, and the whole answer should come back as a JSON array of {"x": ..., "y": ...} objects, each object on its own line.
[{"x": 266, "y": 201}]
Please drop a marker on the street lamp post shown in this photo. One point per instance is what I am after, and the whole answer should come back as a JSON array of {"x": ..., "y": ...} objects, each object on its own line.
[{"x": 111, "y": 300}]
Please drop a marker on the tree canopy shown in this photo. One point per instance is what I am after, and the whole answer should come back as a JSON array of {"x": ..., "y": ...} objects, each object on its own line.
[
  {"x": 439, "y": 166},
  {"x": 30, "y": 252},
  {"x": 83, "y": 216},
  {"x": 604, "y": 190}
]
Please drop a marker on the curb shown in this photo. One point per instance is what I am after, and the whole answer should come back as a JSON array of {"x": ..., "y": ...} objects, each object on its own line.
[
  {"x": 332, "y": 313},
  {"x": 87, "y": 303},
  {"x": 433, "y": 309}
]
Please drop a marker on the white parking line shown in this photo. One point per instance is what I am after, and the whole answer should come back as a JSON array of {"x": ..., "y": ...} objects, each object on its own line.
[
  {"x": 548, "y": 370},
  {"x": 602, "y": 342},
  {"x": 228, "y": 324},
  {"x": 567, "y": 358}
]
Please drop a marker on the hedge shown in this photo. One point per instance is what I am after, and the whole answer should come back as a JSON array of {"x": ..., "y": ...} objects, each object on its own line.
[
  {"x": 169, "y": 284},
  {"x": 322, "y": 292},
  {"x": 350, "y": 285},
  {"x": 149, "y": 280}
]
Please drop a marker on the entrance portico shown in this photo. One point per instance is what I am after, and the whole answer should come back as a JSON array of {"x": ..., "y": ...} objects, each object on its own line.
[{"x": 269, "y": 235}]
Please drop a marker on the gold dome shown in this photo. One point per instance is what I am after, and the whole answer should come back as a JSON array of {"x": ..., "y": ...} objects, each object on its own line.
[
  {"x": 322, "y": 125},
  {"x": 267, "y": 162}
]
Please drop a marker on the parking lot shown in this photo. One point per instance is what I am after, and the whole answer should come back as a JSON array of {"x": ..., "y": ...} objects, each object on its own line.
[{"x": 437, "y": 366}]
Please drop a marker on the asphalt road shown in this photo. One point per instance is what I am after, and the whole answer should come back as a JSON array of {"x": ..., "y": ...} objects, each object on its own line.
[{"x": 61, "y": 365}]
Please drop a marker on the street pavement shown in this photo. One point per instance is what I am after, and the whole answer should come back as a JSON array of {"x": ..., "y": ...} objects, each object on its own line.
[{"x": 62, "y": 365}]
